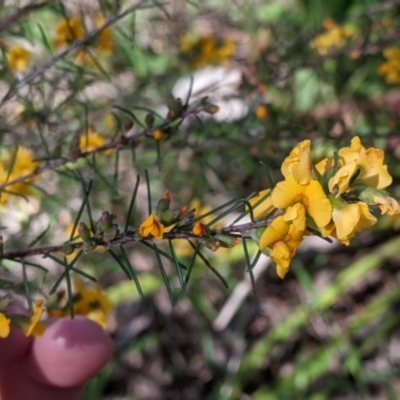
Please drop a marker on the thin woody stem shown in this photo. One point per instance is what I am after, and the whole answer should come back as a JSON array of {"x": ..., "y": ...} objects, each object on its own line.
[
  {"x": 122, "y": 143},
  {"x": 20, "y": 13},
  {"x": 50, "y": 62},
  {"x": 133, "y": 237}
]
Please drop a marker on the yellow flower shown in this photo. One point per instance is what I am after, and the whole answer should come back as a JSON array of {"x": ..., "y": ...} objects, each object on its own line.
[
  {"x": 5, "y": 328},
  {"x": 18, "y": 58},
  {"x": 92, "y": 303},
  {"x": 296, "y": 214},
  {"x": 334, "y": 38},
  {"x": 91, "y": 141},
  {"x": 68, "y": 31},
  {"x": 33, "y": 327},
  {"x": 340, "y": 182},
  {"x": 105, "y": 39},
  {"x": 298, "y": 163},
  {"x": 22, "y": 165},
  {"x": 311, "y": 196},
  {"x": 390, "y": 69},
  {"x": 208, "y": 50},
  {"x": 348, "y": 219},
  {"x": 283, "y": 240},
  {"x": 388, "y": 205},
  {"x": 373, "y": 172},
  {"x": 152, "y": 227},
  {"x": 264, "y": 206}
]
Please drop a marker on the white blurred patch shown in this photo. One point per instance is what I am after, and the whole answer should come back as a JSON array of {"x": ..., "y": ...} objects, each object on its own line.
[{"x": 220, "y": 85}]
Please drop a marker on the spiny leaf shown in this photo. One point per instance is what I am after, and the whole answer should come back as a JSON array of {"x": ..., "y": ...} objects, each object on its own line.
[
  {"x": 133, "y": 272},
  {"x": 38, "y": 238},
  {"x": 176, "y": 262},
  {"x": 132, "y": 202},
  {"x": 164, "y": 276}
]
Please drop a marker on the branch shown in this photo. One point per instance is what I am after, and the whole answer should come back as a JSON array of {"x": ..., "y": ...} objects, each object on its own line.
[
  {"x": 47, "y": 64},
  {"x": 133, "y": 237},
  {"x": 122, "y": 143},
  {"x": 19, "y": 13}
]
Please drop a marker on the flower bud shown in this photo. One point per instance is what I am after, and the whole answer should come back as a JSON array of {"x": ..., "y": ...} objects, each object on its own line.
[
  {"x": 149, "y": 120},
  {"x": 210, "y": 108},
  {"x": 227, "y": 241},
  {"x": 111, "y": 233},
  {"x": 175, "y": 107},
  {"x": 170, "y": 217},
  {"x": 104, "y": 223},
  {"x": 84, "y": 231},
  {"x": 200, "y": 229},
  {"x": 158, "y": 134},
  {"x": 163, "y": 204},
  {"x": 67, "y": 250},
  {"x": 212, "y": 244}
]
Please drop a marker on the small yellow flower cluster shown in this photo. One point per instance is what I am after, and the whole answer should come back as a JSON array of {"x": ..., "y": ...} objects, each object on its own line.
[
  {"x": 207, "y": 50},
  {"x": 390, "y": 69},
  {"x": 333, "y": 39},
  {"x": 334, "y": 197},
  {"x": 71, "y": 29},
  {"x": 88, "y": 301},
  {"x": 13, "y": 167}
]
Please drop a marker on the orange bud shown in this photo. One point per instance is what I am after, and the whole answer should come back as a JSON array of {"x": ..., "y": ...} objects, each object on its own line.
[
  {"x": 199, "y": 229},
  {"x": 261, "y": 112},
  {"x": 210, "y": 108},
  {"x": 158, "y": 134}
]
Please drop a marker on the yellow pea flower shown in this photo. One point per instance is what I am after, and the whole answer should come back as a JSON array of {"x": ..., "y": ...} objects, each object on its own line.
[
  {"x": 347, "y": 220},
  {"x": 334, "y": 38},
  {"x": 373, "y": 172},
  {"x": 33, "y": 327},
  {"x": 310, "y": 196},
  {"x": 340, "y": 182},
  {"x": 92, "y": 303},
  {"x": 283, "y": 240},
  {"x": 91, "y": 141},
  {"x": 296, "y": 214},
  {"x": 390, "y": 69},
  {"x": 23, "y": 164},
  {"x": 68, "y": 31},
  {"x": 152, "y": 227},
  {"x": 208, "y": 49},
  {"x": 264, "y": 206},
  {"x": 5, "y": 328},
  {"x": 388, "y": 205},
  {"x": 105, "y": 39},
  {"x": 18, "y": 58},
  {"x": 298, "y": 163}
]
